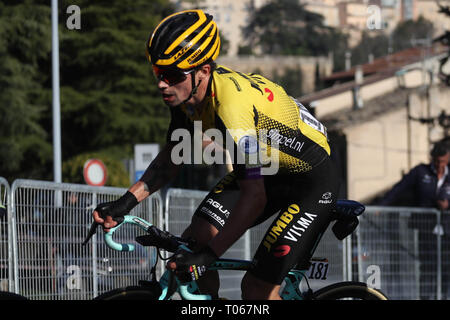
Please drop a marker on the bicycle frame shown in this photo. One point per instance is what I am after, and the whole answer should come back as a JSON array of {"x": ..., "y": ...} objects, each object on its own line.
[{"x": 187, "y": 290}]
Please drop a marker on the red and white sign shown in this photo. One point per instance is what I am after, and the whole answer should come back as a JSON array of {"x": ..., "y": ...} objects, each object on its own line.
[{"x": 94, "y": 173}]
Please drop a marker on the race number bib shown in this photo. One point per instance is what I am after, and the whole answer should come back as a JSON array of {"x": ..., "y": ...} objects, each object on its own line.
[
  {"x": 318, "y": 269},
  {"x": 309, "y": 119}
]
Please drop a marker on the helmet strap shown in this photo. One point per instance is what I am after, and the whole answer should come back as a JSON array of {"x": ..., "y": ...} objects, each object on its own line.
[{"x": 194, "y": 88}]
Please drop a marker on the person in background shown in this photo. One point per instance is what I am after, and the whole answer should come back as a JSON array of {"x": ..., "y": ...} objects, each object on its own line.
[{"x": 428, "y": 186}]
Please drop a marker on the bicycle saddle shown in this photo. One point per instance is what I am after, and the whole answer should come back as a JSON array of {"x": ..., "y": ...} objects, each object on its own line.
[
  {"x": 349, "y": 207},
  {"x": 346, "y": 213}
]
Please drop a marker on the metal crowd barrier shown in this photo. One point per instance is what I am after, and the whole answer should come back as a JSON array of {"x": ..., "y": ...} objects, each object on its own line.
[
  {"x": 404, "y": 251},
  {"x": 49, "y": 223},
  {"x": 180, "y": 206},
  {"x": 5, "y": 243}
]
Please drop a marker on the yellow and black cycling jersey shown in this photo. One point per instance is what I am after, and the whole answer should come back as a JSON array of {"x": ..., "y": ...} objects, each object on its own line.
[{"x": 266, "y": 127}]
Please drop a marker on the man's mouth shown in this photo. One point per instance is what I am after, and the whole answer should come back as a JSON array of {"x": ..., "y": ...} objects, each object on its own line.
[{"x": 167, "y": 97}]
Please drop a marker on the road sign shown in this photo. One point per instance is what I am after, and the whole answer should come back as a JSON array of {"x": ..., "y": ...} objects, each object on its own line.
[
  {"x": 143, "y": 156},
  {"x": 94, "y": 172}
]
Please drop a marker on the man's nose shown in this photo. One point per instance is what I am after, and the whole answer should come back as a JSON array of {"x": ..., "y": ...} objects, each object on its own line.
[{"x": 162, "y": 85}]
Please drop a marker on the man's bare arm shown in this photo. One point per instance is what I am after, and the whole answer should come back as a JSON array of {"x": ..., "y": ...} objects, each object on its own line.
[{"x": 159, "y": 173}]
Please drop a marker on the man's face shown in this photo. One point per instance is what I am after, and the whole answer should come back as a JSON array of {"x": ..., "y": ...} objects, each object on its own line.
[
  {"x": 175, "y": 87},
  {"x": 441, "y": 162}
]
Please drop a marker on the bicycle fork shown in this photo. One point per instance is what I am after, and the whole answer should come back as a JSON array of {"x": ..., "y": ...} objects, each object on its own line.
[
  {"x": 291, "y": 290},
  {"x": 188, "y": 291}
]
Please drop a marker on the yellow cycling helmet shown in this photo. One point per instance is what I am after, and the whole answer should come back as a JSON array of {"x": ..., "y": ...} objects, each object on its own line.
[{"x": 184, "y": 40}]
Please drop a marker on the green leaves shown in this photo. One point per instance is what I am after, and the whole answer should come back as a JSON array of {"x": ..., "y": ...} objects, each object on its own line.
[
  {"x": 109, "y": 100},
  {"x": 108, "y": 65},
  {"x": 116, "y": 174},
  {"x": 402, "y": 37},
  {"x": 285, "y": 27},
  {"x": 406, "y": 32},
  {"x": 24, "y": 43}
]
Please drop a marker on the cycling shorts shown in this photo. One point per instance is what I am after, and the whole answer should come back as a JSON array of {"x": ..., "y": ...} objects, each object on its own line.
[{"x": 301, "y": 210}]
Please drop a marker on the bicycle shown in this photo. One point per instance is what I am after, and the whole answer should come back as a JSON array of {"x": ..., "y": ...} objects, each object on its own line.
[{"x": 345, "y": 214}]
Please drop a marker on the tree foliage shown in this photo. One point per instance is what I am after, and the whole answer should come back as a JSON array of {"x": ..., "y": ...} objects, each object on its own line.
[
  {"x": 24, "y": 142},
  {"x": 116, "y": 176},
  {"x": 377, "y": 45},
  {"x": 445, "y": 40},
  {"x": 291, "y": 80},
  {"x": 109, "y": 100},
  {"x": 285, "y": 27},
  {"x": 109, "y": 95},
  {"x": 407, "y": 34}
]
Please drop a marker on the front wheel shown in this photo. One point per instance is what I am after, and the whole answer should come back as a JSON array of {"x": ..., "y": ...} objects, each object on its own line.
[
  {"x": 131, "y": 293},
  {"x": 350, "y": 290}
]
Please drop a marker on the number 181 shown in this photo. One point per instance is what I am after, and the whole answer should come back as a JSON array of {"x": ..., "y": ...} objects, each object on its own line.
[{"x": 318, "y": 270}]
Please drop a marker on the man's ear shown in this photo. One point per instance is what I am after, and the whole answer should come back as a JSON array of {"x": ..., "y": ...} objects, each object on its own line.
[{"x": 205, "y": 71}]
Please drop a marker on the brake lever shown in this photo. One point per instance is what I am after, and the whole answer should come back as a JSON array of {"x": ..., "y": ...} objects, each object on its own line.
[
  {"x": 94, "y": 225},
  {"x": 92, "y": 231}
]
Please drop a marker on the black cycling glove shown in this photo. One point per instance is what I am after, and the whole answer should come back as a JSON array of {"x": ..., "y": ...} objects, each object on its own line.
[
  {"x": 119, "y": 208},
  {"x": 191, "y": 266}
]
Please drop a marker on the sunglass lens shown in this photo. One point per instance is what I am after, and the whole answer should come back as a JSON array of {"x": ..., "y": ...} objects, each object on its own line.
[{"x": 170, "y": 77}]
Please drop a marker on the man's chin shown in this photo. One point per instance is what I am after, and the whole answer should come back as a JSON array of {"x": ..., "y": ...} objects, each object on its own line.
[{"x": 171, "y": 104}]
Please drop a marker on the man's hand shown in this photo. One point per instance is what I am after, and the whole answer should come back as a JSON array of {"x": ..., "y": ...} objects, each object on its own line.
[
  {"x": 110, "y": 214},
  {"x": 442, "y": 204},
  {"x": 190, "y": 266},
  {"x": 108, "y": 221}
]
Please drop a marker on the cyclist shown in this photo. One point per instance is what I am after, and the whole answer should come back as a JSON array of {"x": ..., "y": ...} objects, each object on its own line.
[{"x": 255, "y": 114}]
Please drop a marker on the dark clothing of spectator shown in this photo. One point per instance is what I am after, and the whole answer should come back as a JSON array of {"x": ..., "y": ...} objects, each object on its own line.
[
  {"x": 421, "y": 187},
  {"x": 421, "y": 184}
]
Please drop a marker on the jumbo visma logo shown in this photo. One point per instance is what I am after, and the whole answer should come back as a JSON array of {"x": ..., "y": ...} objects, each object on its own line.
[{"x": 280, "y": 225}]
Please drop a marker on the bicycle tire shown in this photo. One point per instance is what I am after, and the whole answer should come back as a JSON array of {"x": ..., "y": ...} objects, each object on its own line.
[
  {"x": 130, "y": 293},
  {"x": 5, "y": 295},
  {"x": 349, "y": 289}
]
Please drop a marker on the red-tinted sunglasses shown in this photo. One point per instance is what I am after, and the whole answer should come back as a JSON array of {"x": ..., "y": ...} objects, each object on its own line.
[{"x": 171, "y": 77}]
